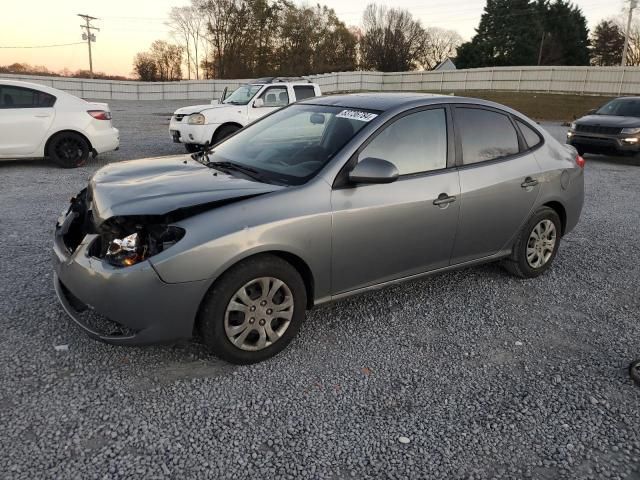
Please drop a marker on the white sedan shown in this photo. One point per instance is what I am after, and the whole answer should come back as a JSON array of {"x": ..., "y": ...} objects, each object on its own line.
[{"x": 38, "y": 121}]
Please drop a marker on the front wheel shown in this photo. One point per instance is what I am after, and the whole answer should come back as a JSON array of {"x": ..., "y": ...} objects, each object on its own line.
[
  {"x": 192, "y": 147},
  {"x": 537, "y": 245},
  {"x": 254, "y": 310},
  {"x": 224, "y": 132},
  {"x": 68, "y": 150}
]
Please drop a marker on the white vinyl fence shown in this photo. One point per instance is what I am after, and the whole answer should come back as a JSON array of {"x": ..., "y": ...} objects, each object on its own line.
[{"x": 577, "y": 80}]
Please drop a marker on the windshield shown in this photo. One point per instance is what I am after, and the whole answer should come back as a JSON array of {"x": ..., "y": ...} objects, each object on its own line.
[
  {"x": 243, "y": 95},
  {"x": 293, "y": 144},
  {"x": 621, "y": 107}
]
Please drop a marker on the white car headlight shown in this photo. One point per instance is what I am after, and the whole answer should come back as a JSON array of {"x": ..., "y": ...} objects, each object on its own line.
[
  {"x": 573, "y": 126},
  {"x": 196, "y": 119},
  {"x": 631, "y": 131}
]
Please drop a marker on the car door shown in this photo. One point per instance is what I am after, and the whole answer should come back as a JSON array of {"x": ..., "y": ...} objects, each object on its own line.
[
  {"x": 272, "y": 98},
  {"x": 498, "y": 181},
  {"x": 388, "y": 231},
  {"x": 25, "y": 118}
]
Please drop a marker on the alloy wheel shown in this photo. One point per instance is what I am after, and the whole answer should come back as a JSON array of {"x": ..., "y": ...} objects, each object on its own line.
[
  {"x": 69, "y": 149},
  {"x": 259, "y": 313},
  {"x": 541, "y": 243}
]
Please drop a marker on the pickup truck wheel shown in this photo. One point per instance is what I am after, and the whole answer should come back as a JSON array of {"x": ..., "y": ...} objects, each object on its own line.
[
  {"x": 223, "y": 132},
  {"x": 192, "y": 147},
  {"x": 254, "y": 310},
  {"x": 68, "y": 150}
]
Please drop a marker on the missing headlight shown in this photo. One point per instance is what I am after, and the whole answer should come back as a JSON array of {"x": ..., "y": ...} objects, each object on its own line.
[{"x": 124, "y": 242}]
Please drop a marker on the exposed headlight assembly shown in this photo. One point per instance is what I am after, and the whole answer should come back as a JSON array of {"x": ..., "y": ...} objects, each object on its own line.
[
  {"x": 630, "y": 131},
  {"x": 196, "y": 119},
  {"x": 127, "y": 250}
]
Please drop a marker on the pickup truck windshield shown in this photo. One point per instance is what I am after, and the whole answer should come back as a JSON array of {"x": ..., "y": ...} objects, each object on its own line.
[
  {"x": 243, "y": 95},
  {"x": 292, "y": 145}
]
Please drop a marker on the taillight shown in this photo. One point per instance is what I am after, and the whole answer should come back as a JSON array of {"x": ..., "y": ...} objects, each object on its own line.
[
  {"x": 100, "y": 114},
  {"x": 580, "y": 161}
]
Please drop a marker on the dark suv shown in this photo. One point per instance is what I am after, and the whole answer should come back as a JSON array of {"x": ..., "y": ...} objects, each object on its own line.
[{"x": 613, "y": 128}]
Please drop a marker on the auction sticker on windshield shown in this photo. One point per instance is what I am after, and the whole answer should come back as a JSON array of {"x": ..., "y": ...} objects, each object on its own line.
[{"x": 357, "y": 115}]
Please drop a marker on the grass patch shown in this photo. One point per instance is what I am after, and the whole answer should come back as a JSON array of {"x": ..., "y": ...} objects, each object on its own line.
[{"x": 541, "y": 106}]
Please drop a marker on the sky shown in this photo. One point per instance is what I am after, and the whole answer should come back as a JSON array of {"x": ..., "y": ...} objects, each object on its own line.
[{"x": 129, "y": 26}]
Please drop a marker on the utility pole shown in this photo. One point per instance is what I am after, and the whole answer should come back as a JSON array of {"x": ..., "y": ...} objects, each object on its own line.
[
  {"x": 541, "y": 46},
  {"x": 632, "y": 5},
  {"x": 88, "y": 36}
]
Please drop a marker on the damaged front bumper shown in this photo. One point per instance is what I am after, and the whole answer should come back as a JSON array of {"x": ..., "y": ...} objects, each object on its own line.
[{"x": 125, "y": 306}]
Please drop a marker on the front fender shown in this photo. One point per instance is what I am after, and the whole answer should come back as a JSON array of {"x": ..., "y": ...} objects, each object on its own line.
[{"x": 296, "y": 220}]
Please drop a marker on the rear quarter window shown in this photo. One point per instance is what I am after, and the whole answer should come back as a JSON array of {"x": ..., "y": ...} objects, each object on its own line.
[
  {"x": 532, "y": 137},
  {"x": 304, "y": 91}
]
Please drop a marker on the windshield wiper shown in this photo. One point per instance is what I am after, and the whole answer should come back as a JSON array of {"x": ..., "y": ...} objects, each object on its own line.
[{"x": 248, "y": 171}]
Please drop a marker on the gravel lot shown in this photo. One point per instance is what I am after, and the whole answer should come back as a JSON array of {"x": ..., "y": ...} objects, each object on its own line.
[{"x": 485, "y": 375}]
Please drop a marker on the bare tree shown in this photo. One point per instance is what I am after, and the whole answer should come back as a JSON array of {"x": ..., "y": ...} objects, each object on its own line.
[
  {"x": 633, "y": 53},
  {"x": 179, "y": 24},
  {"x": 439, "y": 45},
  {"x": 392, "y": 40}
]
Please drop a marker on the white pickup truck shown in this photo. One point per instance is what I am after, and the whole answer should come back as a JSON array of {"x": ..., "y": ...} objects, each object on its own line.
[{"x": 196, "y": 125}]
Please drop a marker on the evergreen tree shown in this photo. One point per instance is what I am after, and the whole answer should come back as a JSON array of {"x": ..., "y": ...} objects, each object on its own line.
[
  {"x": 607, "y": 44},
  {"x": 520, "y": 32},
  {"x": 566, "y": 37},
  {"x": 506, "y": 36}
]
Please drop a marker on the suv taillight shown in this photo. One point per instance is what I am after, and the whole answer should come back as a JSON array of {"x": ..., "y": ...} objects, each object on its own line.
[
  {"x": 100, "y": 114},
  {"x": 580, "y": 161}
]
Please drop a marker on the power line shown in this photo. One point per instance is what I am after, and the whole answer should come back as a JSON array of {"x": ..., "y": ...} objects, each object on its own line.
[{"x": 46, "y": 46}]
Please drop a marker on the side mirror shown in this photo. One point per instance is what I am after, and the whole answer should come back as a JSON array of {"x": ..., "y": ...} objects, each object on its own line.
[
  {"x": 592, "y": 111},
  {"x": 374, "y": 170},
  {"x": 259, "y": 103}
]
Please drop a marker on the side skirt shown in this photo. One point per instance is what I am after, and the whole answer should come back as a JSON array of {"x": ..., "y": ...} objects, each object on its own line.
[{"x": 379, "y": 286}]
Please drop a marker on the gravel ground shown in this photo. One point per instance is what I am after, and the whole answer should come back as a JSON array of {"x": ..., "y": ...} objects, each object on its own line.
[{"x": 471, "y": 374}]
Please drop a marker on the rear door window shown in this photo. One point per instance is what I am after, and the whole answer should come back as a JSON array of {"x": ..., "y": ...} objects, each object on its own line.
[
  {"x": 19, "y": 97},
  {"x": 485, "y": 135},
  {"x": 304, "y": 91},
  {"x": 275, "y": 97}
]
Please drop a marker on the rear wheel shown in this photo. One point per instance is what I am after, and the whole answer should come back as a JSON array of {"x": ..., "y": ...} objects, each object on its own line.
[
  {"x": 254, "y": 310},
  {"x": 68, "y": 150},
  {"x": 537, "y": 245},
  {"x": 223, "y": 132},
  {"x": 192, "y": 147}
]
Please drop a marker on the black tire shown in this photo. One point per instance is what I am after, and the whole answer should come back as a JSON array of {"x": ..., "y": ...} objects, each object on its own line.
[
  {"x": 634, "y": 372},
  {"x": 224, "y": 132},
  {"x": 192, "y": 147},
  {"x": 517, "y": 263},
  {"x": 68, "y": 150},
  {"x": 212, "y": 315}
]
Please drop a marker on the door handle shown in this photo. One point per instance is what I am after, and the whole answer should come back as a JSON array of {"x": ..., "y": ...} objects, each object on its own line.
[
  {"x": 529, "y": 182},
  {"x": 43, "y": 115},
  {"x": 444, "y": 200}
]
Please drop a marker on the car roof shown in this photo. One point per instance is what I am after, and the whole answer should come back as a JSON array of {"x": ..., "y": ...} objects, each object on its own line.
[{"x": 392, "y": 100}]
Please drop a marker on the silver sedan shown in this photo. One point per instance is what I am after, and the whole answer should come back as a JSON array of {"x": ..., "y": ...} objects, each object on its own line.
[{"x": 319, "y": 201}]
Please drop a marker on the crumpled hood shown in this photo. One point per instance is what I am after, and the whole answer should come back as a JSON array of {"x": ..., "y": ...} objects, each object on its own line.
[
  {"x": 201, "y": 108},
  {"x": 609, "y": 121},
  {"x": 157, "y": 186}
]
